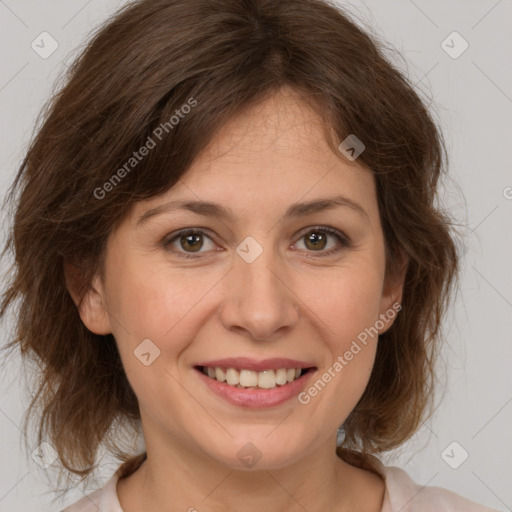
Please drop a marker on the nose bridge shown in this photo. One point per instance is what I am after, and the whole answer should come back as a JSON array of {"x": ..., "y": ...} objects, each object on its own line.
[{"x": 258, "y": 299}]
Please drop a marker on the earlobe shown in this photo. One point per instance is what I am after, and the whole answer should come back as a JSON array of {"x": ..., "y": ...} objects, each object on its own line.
[{"x": 92, "y": 306}]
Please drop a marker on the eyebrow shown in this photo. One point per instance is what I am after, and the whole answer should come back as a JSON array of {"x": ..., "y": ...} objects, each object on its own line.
[{"x": 209, "y": 209}]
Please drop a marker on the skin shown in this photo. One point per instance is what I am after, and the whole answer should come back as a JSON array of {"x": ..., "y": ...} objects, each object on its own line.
[{"x": 292, "y": 301}]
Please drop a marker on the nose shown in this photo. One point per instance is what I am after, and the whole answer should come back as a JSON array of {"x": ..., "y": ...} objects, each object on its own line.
[{"x": 259, "y": 300}]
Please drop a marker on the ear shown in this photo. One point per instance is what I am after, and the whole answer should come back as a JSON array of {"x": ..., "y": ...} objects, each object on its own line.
[
  {"x": 392, "y": 292},
  {"x": 92, "y": 306}
]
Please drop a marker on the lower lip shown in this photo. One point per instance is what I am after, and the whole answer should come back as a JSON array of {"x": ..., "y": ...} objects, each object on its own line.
[{"x": 256, "y": 398}]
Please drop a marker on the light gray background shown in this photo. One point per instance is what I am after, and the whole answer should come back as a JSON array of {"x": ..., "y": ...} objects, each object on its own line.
[{"x": 473, "y": 102}]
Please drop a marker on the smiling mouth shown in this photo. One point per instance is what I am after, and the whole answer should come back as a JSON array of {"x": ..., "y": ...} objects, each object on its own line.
[{"x": 249, "y": 379}]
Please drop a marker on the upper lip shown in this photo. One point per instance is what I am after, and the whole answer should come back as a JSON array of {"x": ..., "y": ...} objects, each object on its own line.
[{"x": 246, "y": 363}]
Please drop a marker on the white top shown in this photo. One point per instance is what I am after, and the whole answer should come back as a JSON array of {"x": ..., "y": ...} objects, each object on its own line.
[{"x": 402, "y": 495}]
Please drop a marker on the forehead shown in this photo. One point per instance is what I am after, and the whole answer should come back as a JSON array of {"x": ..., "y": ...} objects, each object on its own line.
[
  {"x": 268, "y": 157},
  {"x": 281, "y": 124}
]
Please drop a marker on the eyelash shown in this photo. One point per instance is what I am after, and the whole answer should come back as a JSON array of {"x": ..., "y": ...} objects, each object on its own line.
[{"x": 345, "y": 242}]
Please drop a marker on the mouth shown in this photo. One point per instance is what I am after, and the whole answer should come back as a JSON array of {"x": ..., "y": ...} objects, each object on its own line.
[
  {"x": 250, "y": 379},
  {"x": 255, "y": 383}
]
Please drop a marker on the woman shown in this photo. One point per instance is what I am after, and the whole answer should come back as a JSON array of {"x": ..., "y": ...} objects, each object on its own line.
[{"x": 226, "y": 235}]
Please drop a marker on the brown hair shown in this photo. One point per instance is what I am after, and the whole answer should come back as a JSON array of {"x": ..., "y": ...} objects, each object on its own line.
[{"x": 147, "y": 62}]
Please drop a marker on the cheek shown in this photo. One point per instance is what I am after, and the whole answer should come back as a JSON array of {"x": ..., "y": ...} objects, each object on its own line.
[
  {"x": 150, "y": 302},
  {"x": 346, "y": 308},
  {"x": 346, "y": 303},
  {"x": 350, "y": 338}
]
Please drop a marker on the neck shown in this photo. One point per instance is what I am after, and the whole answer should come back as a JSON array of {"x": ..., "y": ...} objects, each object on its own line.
[{"x": 182, "y": 479}]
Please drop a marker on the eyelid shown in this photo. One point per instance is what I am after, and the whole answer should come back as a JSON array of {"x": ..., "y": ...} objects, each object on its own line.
[
  {"x": 326, "y": 229},
  {"x": 344, "y": 241},
  {"x": 169, "y": 239}
]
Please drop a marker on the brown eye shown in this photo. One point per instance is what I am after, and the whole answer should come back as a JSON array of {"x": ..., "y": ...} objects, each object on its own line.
[
  {"x": 192, "y": 242},
  {"x": 187, "y": 242},
  {"x": 316, "y": 239}
]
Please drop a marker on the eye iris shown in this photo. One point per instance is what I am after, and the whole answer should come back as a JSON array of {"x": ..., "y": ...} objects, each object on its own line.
[
  {"x": 318, "y": 240},
  {"x": 191, "y": 239}
]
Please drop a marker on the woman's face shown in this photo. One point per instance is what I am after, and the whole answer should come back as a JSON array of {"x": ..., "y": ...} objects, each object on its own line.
[{"x": 253, "y": 283}]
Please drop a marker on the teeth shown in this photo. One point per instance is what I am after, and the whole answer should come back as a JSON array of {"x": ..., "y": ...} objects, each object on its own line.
[
  {"x": 281, "y": 376},
  {"x": 232, "y": 377},
  {"x": 220, "y": 375},
  {"x": 248, "y": 378},
  {"x": 266, "y": 379}
]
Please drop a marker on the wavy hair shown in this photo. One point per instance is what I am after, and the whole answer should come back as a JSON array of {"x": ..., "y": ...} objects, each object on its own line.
[{"x": 136, "y": 70}]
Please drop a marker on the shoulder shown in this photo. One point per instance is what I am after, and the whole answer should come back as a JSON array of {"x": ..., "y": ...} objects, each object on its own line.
[
  {"x": 104, "y": 499},
  {"x": 405, "y": 495}
]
